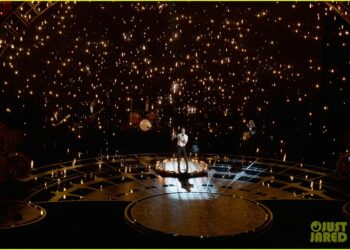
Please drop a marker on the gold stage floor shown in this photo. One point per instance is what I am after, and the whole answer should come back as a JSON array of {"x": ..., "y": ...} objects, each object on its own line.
[{"x": 225, "y": 199}]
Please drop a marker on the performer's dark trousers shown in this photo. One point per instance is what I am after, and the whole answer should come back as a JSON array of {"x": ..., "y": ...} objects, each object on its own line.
[
  {"x": 181, "y": 151},
  {"x": 249, "y": 147}
]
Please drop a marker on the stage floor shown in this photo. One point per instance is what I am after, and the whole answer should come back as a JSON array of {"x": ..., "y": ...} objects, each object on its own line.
[
  {"x": 134, "y": 177},
  {"x": 200, "y": 215},
  {"x": 238, "y": 199}
]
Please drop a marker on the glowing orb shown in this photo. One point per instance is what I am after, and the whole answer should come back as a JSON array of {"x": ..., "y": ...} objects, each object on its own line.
[{"x": 145, "y": 125}]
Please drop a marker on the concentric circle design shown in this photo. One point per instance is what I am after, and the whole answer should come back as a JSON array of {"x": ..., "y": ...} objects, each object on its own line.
[
  {"x": 202, "y": 215},
  {"x": 137, "y": 176},
  {"x": 17, "y": 214}
]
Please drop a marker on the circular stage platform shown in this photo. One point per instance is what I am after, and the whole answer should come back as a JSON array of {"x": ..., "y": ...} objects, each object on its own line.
[
  {"x": 176, "y": 167},
  {"x": 201, "y": 215},
  {"x": 15, "y": 214}
]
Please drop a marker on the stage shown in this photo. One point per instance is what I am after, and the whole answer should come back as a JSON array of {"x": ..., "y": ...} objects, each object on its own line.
[
  {"x": 124, "y": 201},
  {"x": 134, "y": 177},
  {"x": 104, "y": 92}
]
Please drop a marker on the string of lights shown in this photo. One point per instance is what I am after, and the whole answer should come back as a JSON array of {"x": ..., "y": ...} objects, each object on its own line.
[{"x": 208, "y": 66}]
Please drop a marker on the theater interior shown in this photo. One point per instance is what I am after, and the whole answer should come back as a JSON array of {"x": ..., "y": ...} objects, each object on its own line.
[{"x": 94, "y": 94}]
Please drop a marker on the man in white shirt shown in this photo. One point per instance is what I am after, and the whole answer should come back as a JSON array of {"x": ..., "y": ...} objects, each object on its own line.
[{"x": 182, "y": 140}]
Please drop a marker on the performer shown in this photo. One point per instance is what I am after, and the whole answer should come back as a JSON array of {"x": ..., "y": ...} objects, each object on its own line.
[
  {"x": 182, "y": 140},
  {"x": 184, "y": 181},
  {"x": 251, "y": 128},
  {"x": 248, "y": 144}
]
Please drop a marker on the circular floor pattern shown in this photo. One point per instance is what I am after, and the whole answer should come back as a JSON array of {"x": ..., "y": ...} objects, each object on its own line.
[
  {"x": 175, "y": 168},
  {"x": 16, "y": 214},
  {"x": 202, "y": 215},
  {"x": 134, "y": 177}
]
